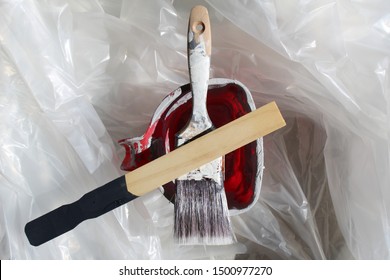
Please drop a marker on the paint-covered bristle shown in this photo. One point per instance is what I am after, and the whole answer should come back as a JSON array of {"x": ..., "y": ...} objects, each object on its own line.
[{"x": 201, "y": 213}]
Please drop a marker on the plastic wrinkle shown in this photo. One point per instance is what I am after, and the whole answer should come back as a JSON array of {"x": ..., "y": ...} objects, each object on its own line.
[{"x": 77, "y": 77}]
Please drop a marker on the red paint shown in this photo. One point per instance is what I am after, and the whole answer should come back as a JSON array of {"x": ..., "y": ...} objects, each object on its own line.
[{"x": 224, "y": 104}]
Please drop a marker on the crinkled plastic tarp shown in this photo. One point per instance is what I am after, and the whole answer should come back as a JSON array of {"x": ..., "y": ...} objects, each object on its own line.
[{"x": 75, "y": 77}]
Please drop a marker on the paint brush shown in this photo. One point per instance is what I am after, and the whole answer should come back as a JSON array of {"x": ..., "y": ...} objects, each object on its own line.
[
  {"x": 158, "y": 172},
  {"x": 201, "y": 211}
]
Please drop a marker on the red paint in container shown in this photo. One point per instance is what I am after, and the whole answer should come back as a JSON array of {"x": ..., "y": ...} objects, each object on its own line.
[{"x": 227, "y": 100}]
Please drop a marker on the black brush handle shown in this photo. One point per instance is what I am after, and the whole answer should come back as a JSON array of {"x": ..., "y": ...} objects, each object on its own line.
[{"x": 89, "y": 206}]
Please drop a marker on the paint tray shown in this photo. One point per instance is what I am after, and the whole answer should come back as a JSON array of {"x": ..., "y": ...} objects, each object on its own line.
[{"x": 226, "y": 100}]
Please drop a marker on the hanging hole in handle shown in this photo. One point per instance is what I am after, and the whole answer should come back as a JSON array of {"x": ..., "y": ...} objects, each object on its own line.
[{"x": 198, "y": 27}]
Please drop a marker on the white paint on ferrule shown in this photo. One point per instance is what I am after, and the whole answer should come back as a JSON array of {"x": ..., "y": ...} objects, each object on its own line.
[{"x": 211, "y": 170}]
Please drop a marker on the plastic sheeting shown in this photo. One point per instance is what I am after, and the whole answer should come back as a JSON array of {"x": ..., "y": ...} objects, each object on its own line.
[{"x": 75, "y": 77}]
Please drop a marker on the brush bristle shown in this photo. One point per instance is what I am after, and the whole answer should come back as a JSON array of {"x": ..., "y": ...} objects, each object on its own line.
[{"x": 201, "y": 213}]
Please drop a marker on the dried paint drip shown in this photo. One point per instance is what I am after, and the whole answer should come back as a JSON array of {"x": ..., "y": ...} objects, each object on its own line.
[{"x": 206, "y": 226}]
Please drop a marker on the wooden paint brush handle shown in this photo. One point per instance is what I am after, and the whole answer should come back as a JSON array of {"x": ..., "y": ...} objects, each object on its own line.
[
  {"x": 198, "y": 53},
  {"x": 215, "y": 144}
]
